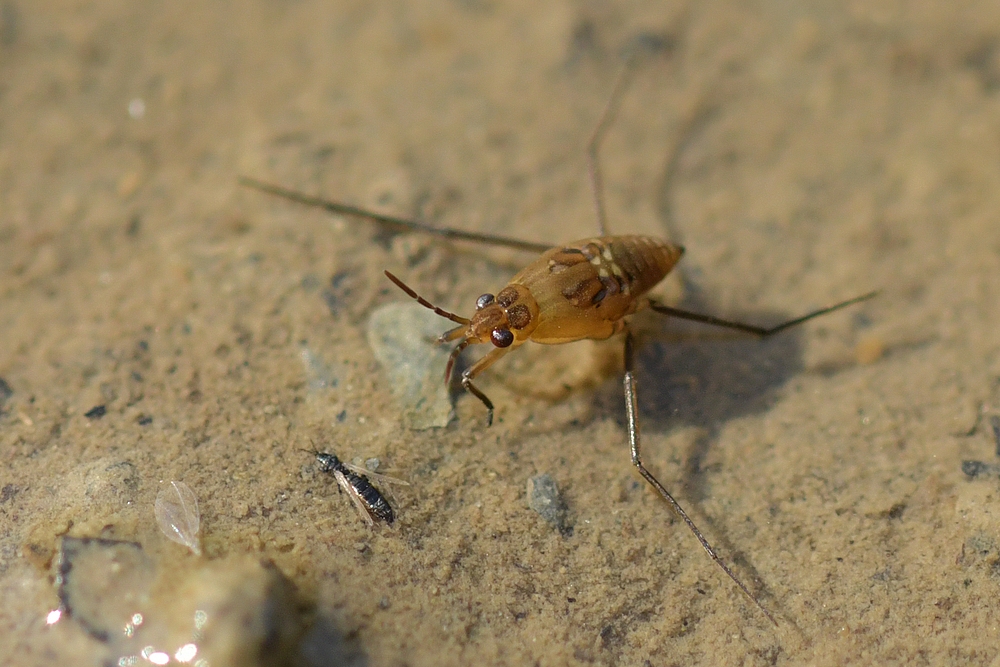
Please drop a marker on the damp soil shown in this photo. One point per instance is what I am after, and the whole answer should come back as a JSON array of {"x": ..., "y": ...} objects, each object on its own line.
[{"x": 160, "y": 322}]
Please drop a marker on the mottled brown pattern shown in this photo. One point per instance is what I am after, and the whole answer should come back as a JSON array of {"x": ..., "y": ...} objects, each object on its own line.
[
  {"x": 507, "y": 296},
  {"x": 611, "y": 285},
  {"x": 519, "y": 316},
  {"x": 623, "y": 265},
  {"x": 582, "y": 292},
  {"x": 566, "y": 258},
  {"x": 635, "y": 263}
]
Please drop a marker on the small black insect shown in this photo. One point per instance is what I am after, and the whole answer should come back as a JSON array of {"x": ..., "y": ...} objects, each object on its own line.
[{"x": 370, "y": 502}]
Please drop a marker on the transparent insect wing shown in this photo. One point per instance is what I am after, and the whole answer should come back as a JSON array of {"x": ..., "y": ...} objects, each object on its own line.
[
  {"x": 363, "y": 509},
  {"x": 177, "y": 515},
  {"x": 374, "y": 476}
]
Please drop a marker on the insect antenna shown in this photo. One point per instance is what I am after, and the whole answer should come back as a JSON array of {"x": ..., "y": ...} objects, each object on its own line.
[{"x": 424, "y": 302}]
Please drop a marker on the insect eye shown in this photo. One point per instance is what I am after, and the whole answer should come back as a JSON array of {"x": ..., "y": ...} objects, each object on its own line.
[
  {"x": 484, "y": 301},
  {"x": 502, "y": 337}
]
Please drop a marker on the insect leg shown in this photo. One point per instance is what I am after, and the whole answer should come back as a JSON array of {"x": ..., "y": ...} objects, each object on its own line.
[
  {"x": 452, "y": 358},
  {"x": 594, "y": 145},
  {"x": 763, "y": 332},
  {"x": 631, "y": 412},
  {"x": 475, "y": 370},
  {"x": 390, "y": 221}
]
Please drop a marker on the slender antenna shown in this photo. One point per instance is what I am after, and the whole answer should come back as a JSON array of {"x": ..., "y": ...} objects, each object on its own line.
[
  {"x": 390, "y": 220},
  {"x": 424, "y": 302}
]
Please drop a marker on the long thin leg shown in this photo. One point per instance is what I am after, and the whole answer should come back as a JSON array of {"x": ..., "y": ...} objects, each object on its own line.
[
  {"x": 475, "y": 369},
  {"x": 390, "y": 220},
  {"x": 453, "y": 357},
  {"x": 594, "y": 145},
  {"x": 632, "y": 414},
  {"x": 751, "y": 328}
]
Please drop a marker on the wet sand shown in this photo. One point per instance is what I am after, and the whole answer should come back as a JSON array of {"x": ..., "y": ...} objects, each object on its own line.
[{"x": 802, "y": 154}]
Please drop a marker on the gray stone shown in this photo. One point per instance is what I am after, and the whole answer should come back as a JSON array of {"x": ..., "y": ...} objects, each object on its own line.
[
  {"x": 403, "y": 337},
  {"x": 544, "y": 498}
]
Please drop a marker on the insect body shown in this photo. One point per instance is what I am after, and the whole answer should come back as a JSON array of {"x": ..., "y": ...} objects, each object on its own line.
[
  {"x": 580, "y": 290},
  {"x": 370, "y": 502}
]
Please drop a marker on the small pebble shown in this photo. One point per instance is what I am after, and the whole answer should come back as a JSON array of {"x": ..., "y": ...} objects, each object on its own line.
[
  {"x": 319, "y": 375},
  {"x": 236, "y": 610},
  {"x": 980, "y": 469},
  {"x": 136, "y": 108},
  {"x": 403, "y": 337},
  {"x": 869, "y": 349},
  {"x": 96, "y": 412},
  {"x": 101, "y": 582},
  {"x": 544, "y": 498}
]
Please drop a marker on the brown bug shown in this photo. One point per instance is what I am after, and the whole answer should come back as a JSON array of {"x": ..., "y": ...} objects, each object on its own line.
[{"x": 576, "y": 291}]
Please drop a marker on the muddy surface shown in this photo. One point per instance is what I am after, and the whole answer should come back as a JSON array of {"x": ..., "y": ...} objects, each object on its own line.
[{"x": 159, "y": 322}]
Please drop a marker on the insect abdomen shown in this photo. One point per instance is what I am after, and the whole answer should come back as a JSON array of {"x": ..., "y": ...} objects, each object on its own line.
[
  {"x": 373, "y": 499},
  {"x": 639, "y": 262},
  {"x": 584, "y": 289}
]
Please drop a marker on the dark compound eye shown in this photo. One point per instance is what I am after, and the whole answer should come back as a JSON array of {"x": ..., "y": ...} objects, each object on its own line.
[
  {"x": 502, "y": 337},
  {"x": 484, "y": 301},
  {"x": 507, "y": 296}
]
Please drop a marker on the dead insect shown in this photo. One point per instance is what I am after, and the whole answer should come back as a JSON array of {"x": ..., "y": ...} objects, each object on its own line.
[
  {"x": 353, "y": 479},
  {"x": 575, "y": 291}
]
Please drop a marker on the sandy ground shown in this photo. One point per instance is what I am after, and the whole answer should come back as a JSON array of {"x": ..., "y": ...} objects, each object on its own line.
[{"x": 802, "y": 152}]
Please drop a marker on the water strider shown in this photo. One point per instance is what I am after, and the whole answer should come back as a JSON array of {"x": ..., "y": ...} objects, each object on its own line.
[{"x": 580, "y": 290}]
